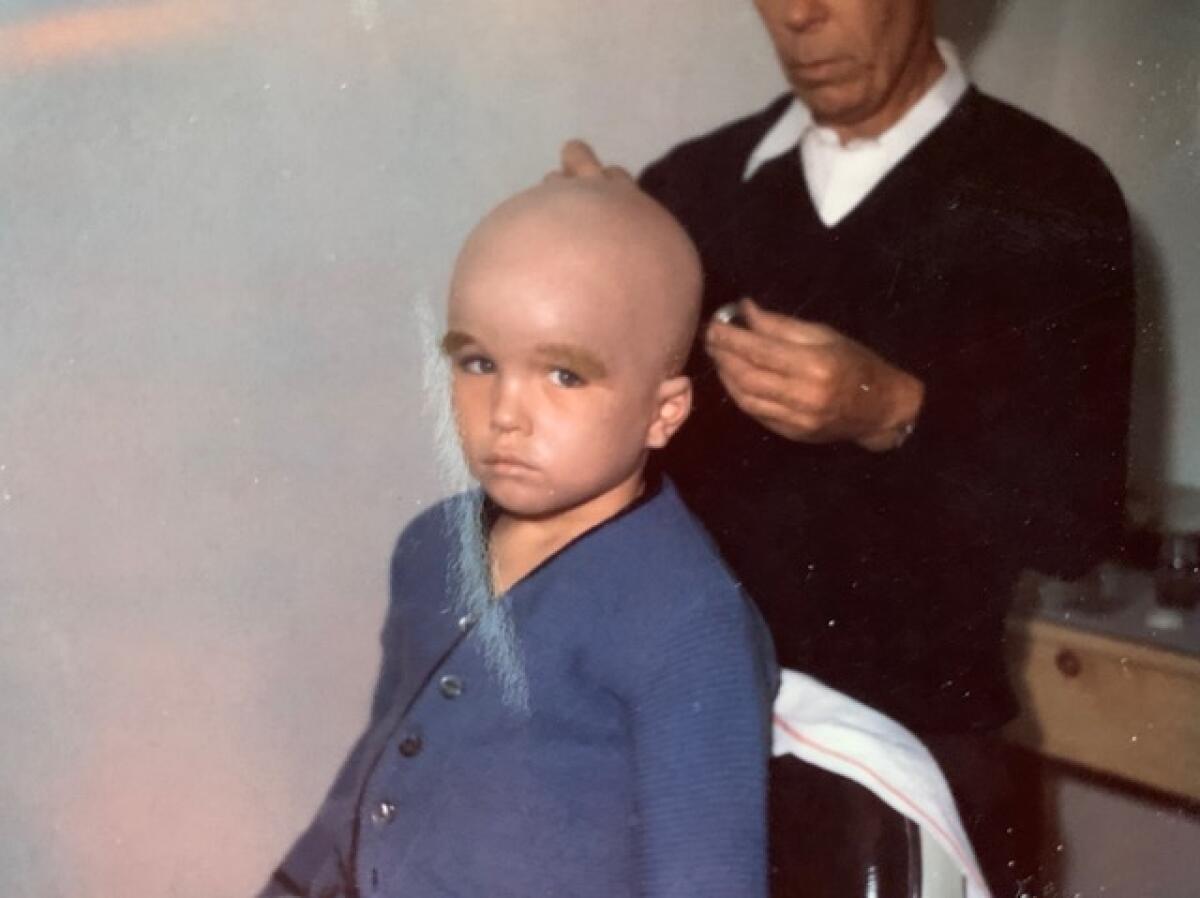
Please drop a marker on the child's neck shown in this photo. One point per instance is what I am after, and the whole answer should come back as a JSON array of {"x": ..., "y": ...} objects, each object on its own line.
[{"x": 517, "y": 545}]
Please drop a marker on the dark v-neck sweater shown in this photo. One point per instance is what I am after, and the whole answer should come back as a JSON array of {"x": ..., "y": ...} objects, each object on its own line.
[{"x": 993, "y": 263}]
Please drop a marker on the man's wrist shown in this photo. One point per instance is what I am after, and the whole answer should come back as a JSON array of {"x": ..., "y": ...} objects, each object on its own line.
[{"x": 907, "y": 395}]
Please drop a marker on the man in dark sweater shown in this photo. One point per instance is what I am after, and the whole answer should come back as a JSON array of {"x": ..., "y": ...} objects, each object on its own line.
[{"x": 931, "y": 391}]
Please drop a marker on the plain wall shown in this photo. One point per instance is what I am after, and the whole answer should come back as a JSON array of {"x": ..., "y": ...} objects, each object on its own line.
[{"x": 216, "y": 219}]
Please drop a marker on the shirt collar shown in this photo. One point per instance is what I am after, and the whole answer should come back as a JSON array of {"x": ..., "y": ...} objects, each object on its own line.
[{"x": 925, "y": 115}]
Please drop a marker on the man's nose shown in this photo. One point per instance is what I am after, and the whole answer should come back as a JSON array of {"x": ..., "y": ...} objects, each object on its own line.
[
  {"x": 509, "y": 410},
  {"x": 801, "y": 15}
]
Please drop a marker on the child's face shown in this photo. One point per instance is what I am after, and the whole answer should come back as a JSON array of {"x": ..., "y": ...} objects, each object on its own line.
[{"x": 555, "y": 403}]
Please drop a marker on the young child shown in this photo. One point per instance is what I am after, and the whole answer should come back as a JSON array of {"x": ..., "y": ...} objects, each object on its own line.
[{"x": 634, "y": 761}]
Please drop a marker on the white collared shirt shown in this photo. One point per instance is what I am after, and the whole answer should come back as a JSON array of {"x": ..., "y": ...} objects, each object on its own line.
[{"x": 839, "y": 176}]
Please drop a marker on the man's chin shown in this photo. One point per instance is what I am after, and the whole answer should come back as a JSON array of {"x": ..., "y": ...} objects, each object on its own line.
[{"x": 832, "y": 104}]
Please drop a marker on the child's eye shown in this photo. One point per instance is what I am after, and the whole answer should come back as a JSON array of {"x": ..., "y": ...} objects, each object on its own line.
[
  {"x": 564, "y": 377},
  {"x": 477, "y": 364}
]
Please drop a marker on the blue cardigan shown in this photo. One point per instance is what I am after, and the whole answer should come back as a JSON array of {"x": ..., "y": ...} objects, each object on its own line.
[{"x": 637, "y": 769}]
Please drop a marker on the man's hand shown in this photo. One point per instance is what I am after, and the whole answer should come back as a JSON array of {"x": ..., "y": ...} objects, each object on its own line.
[
  {"x": 809, "y": 383},
  {"x": 579, "y": 160}
]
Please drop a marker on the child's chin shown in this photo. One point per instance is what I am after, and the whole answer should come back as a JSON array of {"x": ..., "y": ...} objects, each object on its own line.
[{"x": 522, "y": 502}]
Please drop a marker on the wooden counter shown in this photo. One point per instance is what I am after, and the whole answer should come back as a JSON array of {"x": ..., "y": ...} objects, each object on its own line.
[{"x": 1107, "y": 703}]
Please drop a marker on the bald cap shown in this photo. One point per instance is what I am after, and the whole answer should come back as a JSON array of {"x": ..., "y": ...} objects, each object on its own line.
[{"x": 613, "y": 224}]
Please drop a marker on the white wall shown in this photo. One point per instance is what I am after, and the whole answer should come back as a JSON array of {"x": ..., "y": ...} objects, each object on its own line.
[
  {"x": 215, "y": 216},
  {"x": 214, "y": 219},
  {"x": 1120, "y": 845}
]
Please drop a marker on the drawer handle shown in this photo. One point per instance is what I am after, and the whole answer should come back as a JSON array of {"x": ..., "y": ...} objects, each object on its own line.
[{"x": 1068, "y": 663}]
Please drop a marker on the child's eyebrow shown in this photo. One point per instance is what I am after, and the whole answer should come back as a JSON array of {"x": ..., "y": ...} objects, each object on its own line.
[
  {"x": 456, "y": 340},
  {"x": 576, "y": 358}
]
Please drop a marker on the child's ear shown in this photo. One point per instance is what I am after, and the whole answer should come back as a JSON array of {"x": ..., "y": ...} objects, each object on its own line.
[{"x": 672, "y": 405}]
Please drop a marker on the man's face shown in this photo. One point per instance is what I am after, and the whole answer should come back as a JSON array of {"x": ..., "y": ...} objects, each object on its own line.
[
  {"x": 552, "y": 400},
  {"x": 844, "y": 58}
]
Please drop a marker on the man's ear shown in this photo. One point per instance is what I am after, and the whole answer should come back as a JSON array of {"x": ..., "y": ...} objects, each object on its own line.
[{"x": 672, "y": 405}]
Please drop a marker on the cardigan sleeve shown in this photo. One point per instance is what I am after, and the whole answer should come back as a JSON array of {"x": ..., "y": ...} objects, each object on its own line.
[
  {"x": 312, "y": 850},
  {"x": 698, "y": 679}
]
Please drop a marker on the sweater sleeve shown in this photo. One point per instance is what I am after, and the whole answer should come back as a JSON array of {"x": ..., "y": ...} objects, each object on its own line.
[
  {"x": 313, "y": 849},
  {"x": 1029, "y": 421},
  {"x": 698, "y": 680}
]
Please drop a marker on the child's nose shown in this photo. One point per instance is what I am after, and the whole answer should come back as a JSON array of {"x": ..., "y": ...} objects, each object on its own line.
[{"x": 509, "y": 410}]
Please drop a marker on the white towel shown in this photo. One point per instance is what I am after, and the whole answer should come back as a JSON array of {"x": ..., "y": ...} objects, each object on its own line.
[{"x": 832, "y": 731}]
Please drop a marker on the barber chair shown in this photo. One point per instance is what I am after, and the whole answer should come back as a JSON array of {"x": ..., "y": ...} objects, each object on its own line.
[
  {"x": 858, "y": 807},
  {"x": 832, "y": 838}
]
